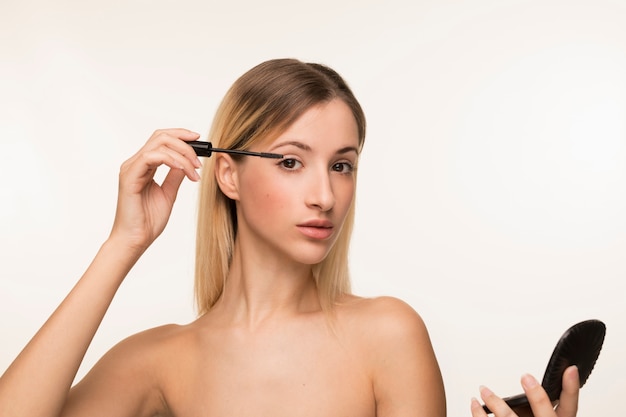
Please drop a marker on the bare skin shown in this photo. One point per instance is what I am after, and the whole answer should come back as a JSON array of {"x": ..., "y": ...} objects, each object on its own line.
[
  {"x": 266, "y": 348},
  {"x": 287, "y": 366}
]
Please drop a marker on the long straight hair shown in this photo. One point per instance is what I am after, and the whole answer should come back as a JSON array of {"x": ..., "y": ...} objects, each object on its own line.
[{"x": 258, "y": 107}]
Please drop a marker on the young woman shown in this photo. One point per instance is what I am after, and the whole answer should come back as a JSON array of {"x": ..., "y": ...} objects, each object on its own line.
[{"x": 279, "y": 333}]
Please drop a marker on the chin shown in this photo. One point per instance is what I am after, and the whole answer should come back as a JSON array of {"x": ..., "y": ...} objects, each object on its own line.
[
  {"x": 310, "y": 260},
  {"x": 310, "y": 256}
]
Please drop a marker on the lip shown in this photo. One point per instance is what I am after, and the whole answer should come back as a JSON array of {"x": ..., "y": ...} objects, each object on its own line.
[{"x": 317, "y": 229}]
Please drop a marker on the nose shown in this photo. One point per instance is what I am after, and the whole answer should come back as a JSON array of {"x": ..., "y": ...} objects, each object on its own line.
[{"x": 320, "y": 194}]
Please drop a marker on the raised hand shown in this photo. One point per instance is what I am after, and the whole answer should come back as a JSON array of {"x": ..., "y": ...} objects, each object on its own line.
[{"x": 143, "y": 206}]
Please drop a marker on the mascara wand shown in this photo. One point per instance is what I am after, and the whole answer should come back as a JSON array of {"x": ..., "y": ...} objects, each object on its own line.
[{"x": 206, "y": 149}]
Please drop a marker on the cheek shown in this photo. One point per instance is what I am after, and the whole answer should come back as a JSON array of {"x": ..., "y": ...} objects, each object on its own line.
[
  {"x": 264, "y": 195},
  {"x": 345, "y": 196}
]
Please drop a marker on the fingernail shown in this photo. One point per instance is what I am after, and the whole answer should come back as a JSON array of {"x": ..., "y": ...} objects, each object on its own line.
[
  {"x": 485, "y": 392},
  {"x": 474, "y": 403},
  {"x": 529, "y": 381},
  {"x": 571, "y": 372}
]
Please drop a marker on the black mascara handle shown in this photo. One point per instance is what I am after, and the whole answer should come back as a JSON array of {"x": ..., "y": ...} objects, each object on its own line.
[{"x": 201, "y": 148}]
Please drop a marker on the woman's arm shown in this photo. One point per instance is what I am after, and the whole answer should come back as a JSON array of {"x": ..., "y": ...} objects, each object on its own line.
[
  {"x": 37, "y": 383},
  {"x": 407, "y": 379}
]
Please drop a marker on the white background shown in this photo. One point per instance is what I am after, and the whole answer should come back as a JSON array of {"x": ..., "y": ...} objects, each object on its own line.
[{"x": 492, "y": 188}]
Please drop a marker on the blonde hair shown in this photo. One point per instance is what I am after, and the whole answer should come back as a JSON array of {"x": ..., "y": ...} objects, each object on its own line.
[{"x": 259, "y": 106}]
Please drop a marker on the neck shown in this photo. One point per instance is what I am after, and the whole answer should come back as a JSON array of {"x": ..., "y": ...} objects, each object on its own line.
[{"x": 261, "y": 287}]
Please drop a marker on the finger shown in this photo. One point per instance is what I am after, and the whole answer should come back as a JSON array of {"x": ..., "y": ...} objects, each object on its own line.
[
  {"x": 175, "y": 139},
  {"x": 568, "y": 401},
  {"x": 181, "y": 162},
  {"x": 537, "y": 397},
  {"x": 477, "y": 409},
  {"x": 171, "y": 183},
  {"x": 496, "y": 404},
  {"x": 140, "y": 170},
  {"x": 179, "y": 133}
]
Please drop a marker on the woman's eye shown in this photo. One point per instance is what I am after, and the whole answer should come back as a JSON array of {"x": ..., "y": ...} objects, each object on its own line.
[
  {"x": 343, "y": 167},
  {"x": 290, "y": 163}
]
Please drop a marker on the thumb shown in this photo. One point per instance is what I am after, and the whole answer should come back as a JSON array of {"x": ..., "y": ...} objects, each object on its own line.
[{"x": 171, "y": 183}]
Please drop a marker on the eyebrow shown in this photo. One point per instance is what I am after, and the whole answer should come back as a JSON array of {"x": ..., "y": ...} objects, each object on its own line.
[
  {"x": 348, "y": 149},
  {"x": 307, "y": 148}
]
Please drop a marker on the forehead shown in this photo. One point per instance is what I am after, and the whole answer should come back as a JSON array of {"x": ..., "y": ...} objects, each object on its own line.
[{"x": 326, "y": 125}]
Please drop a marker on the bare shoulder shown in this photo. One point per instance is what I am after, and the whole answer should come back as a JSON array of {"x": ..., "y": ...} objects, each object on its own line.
[
  {"x": 385, "y": 328},
  {"x": 128, "y": 379},
  {"x": 156, "y": 354},
  {"x": 150, "y": 344},
  {"x": 397, "y": 353},
  {"x": 383, "y": 317}
]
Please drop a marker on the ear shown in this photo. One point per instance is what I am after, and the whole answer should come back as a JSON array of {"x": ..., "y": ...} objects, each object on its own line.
[{"x": 226, "y": 176}]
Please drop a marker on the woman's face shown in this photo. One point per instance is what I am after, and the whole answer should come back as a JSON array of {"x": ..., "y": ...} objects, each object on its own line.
[{"x": 295, "y": 207}]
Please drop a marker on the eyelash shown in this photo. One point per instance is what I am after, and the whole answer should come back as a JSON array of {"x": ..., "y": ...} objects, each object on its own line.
[
  {"x": 282, "y": 163},
  {"x": 348, "y": 168}
]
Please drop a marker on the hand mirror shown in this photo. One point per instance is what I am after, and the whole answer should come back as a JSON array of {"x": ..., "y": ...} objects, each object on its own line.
[{"x": 580, "y": 345}]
